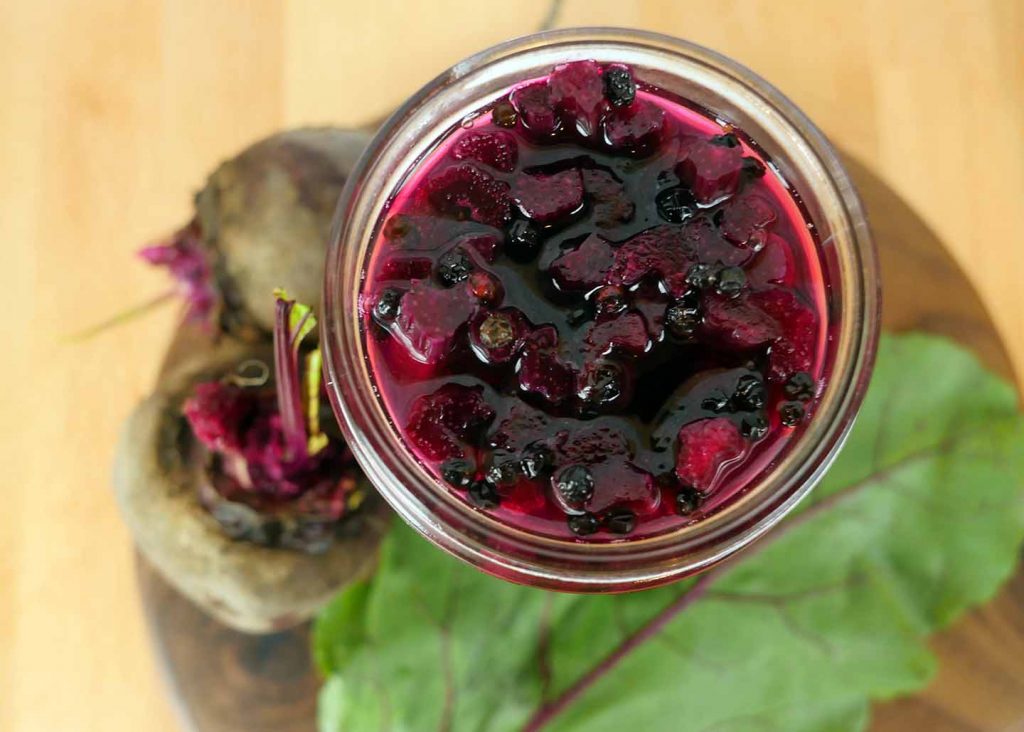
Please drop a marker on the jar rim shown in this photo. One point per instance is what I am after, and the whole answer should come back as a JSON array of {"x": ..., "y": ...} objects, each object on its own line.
[{"x": 500, "y": 548}]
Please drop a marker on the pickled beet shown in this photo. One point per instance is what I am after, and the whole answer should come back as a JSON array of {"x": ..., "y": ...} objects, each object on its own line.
[
  {"x": 497, "y": 149},
  {"x": 431, "y": 319},
  {"x": 626, "y": 333},
  {"x": 467, "y": 190},
  {"x": 585, "y": 267},
  {"x": 738, "y": 322},
  {"x": 705, "y": 448},
  {"x": 635, "y": 129},
  {"x": 533, "y": 102},
  {"x": 611, "y": 205},
  {"x": 577, "y": 91},
  {"x": 543, "y": 373},
  {"x": 662, "y": 252},
  {"x": 595, "y": 312},
  {"x": 712, "y": 167},
  {"x": 745, "y": 219},
  {"x": 793, "y": 350},
  {"x": 442, "y": 423},
  {"x": 546, "y": 198}
]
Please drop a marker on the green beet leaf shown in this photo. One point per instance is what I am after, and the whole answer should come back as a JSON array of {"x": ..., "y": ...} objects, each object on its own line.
[{"x": 919, "y": 519}]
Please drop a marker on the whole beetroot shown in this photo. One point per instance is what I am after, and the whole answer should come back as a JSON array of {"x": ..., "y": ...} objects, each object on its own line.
[
  {"x": 261, "y": 222},
  {"x": 170, "y": 500},
  {"x": 248, "y": 510}
]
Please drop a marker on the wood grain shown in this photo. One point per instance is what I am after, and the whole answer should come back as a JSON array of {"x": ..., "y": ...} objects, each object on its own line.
[
  {"x": 221, "y": 680},
  {"x": 111, "y": 112}
]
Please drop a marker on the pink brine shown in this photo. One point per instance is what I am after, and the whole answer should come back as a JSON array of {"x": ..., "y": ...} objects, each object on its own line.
[{"x": 594, "y": 311}]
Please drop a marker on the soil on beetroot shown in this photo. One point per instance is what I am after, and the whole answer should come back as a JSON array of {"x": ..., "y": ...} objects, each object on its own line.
[
  {"x": 595, "y": 311},
  {"x": 261, "y": 222}
]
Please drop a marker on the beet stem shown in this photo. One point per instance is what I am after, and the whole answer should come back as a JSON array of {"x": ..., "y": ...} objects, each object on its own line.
[{"x": 289, "y": 389}]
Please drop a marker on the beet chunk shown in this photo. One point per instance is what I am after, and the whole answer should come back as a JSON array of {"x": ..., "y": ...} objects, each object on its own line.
[
  {"x": 442, "y": 423},
  {"x": 711, "y": 168},
  {"x": 533, "y": 102},
  {"x": 705, "y": 447},
  {"x": 745, "y": 219},
  {"x": 773, "y": 265},
  {"x": 432, "y": 319},
  {"x": 738, "y": 322},
  {"x": 542, "y": 372},
  {"x": 793, "y": 350},
  {"x": 626, "y": 333},
  {"x": 585, "y": 267},
  {"x": 405, "y": 268},
  {"x": 619, "y": 483},
  {"x": 547, "y": 198},
  {"x": 577, "y": 91},
  {"x": 711, "y": 248},
  {"x": 662, "y": 251},
  {"x": 637, "y": 129},
  {"x": 592, "y": 445},
  {"x": 611, "y": 205},
  {"x": 466, "y": 190},
  {"x": 496, "y": 149},
  {"x": 523, "y": 426}
]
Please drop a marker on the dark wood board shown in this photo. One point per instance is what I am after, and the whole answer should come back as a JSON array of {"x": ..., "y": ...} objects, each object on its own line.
[{"x": 225, "y": 681}]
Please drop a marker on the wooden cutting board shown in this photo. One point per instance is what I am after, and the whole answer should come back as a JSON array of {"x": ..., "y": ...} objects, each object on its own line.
[{"x": 224, "y": 681}]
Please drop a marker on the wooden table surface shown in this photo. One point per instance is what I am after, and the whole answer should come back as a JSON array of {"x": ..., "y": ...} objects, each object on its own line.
[{"x": 111, "y": 112}]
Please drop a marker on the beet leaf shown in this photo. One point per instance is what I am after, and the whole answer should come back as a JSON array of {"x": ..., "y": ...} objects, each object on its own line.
[{"x": 920, "y": 518}]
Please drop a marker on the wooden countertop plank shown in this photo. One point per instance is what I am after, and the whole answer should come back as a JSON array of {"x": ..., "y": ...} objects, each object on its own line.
[{"x": 111, "y": 111}]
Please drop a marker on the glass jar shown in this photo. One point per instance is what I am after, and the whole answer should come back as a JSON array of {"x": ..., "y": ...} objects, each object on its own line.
[{"x": 803, "y": 157}]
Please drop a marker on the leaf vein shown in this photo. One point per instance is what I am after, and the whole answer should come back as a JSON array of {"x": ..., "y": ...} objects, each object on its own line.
[{"x": 548, "y": 711}]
